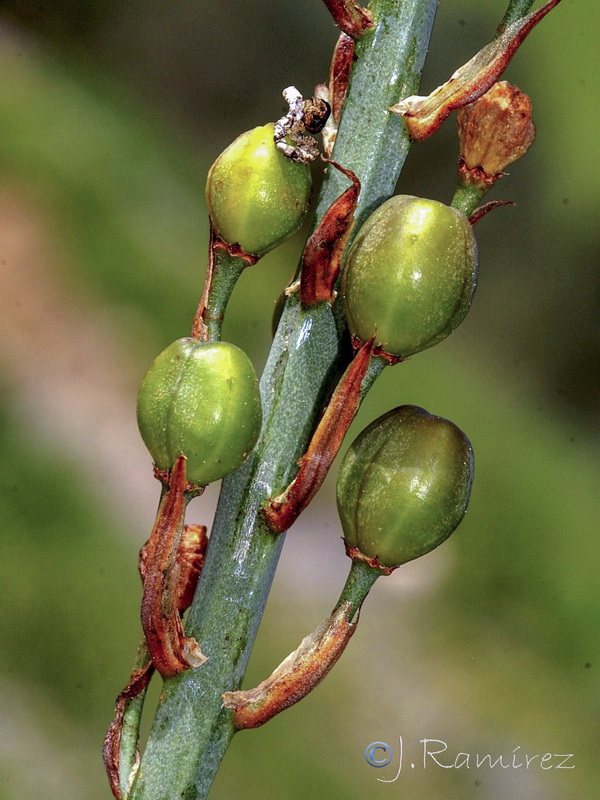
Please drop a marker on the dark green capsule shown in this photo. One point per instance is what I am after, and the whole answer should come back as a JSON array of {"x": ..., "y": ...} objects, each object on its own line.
[
  {"x": 256, "y": 196},
  {"x": 410, "y": 275},
  {"x": 404, "y": 485},
  {"x": 200, "y": 399}
]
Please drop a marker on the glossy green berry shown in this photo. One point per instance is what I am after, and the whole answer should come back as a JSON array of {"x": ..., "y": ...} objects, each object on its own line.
[
  {"x": 404, "y": 486},
  {"x": 200, "y": 399},
  {"x": 410, "y": 275},
  {"x": 256, "y": 196}
]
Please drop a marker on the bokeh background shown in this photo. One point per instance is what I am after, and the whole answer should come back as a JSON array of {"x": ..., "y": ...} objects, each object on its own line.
[{"x": 110, "y": 115}]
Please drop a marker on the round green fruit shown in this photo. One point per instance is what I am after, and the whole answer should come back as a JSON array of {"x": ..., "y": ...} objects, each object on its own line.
[
  {"x": 410, "y": 275},
  {"x": 256, "y": 196},
  {"x": 403, "y": 486},
  {"x": 200, "y": 400}
]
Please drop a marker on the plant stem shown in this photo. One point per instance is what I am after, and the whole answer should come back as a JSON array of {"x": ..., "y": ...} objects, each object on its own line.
[
  {"x": 467, "y": 197},
  {"x": 192, "y": 730},
  {"x": 223, "y": 272},
  {"x": 358, "y": 585},
  {"x": 516, "y": 10}
]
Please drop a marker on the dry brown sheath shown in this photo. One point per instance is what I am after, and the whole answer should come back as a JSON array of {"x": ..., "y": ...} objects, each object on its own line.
[
  {"x": 111, "y": 752},
  {"x": 191, "y": 558},
  {"x": 282, "y": 511},
  {"x": 170, "y": 650},
  {"x": 296, "y": 676},
  {"x": 322, "y": 256},
  {"x": 424, "y": 115},
  {"x": 487, "y": 207},
  {"x": 350, "y": 17},
  {"x": 337, "y": 86},
  {"x": 339, "y": 75}
]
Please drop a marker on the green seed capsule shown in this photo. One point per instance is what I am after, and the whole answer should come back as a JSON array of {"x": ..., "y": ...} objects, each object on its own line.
[
  {"x": 200, "y": 399},
  {"x": 410, "y": 275},
  {"x": 404, "y": 485},
  {"x": 256, "y": 196}
]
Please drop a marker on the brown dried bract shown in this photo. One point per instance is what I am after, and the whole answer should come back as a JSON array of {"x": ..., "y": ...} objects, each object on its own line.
[
  {"x": 356, "y": 555},
  {"x": 378, "y": 352},
  {"x": 322, "y": 257},
  {"x": 485, "y": 209},
  {"x": 339, "y": 74},
  {"x": 350, "y": 17},
  {"x": 424, "y": 115},
  {"x": 234, "y": 250},
  {"x": 190, "y": 557},
  {"x": 296, "y": 676},
  {"x": 170, "y": 650},
  {"x": 339, "y": 77},
  {"x": 281, "y": 512},
  {"x": 111, "y": 752}
]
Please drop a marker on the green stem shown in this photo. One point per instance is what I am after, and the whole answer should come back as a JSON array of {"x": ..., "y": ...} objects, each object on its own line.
[
  {"x": 358, "y": 585},
  {"x": 130, "y": 733},
  {"x": 376, "y": 366},
  {"x": 222, "y": 275},
  {"x": 371, "y": 141},
  {"x": 516, "y": 10},
  {"x": 467, "y": 197},
  {"x": 191, "y": 730}
]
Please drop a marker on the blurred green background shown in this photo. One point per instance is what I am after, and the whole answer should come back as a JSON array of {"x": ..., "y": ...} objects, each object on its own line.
[{"x": 110, "y": 114}]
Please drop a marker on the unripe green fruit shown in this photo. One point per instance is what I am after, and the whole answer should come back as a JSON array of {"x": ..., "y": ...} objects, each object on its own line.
[
  {"x": 404, "y": 485},
  {"x": 200, "y": 399},
  {"x": 410, "y": 275},
  {"x": 256, "y": 196}
]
